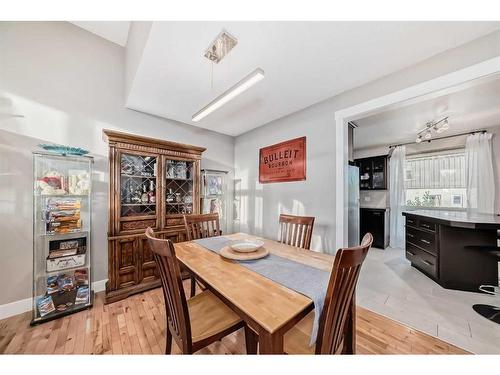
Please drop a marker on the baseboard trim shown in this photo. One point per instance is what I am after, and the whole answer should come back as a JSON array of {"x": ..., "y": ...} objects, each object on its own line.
[
  {"x": 99, "y": 286},
  {"x": 18, "y": 307}
]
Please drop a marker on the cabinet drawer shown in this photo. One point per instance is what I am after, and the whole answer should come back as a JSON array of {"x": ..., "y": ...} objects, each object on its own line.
[
  {"x": 411, "y": 221},
  {"x": 422, "y": 239},
  {"x": 427, "y": 225},
  {"x": 422, "y": 260},
  {"x": 137, "y": 225},
  {"x": 175, "y": 221}
]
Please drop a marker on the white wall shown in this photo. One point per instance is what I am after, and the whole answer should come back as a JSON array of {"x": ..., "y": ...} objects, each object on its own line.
[
  {"x": 261, "y": 204},
  {"x": 69, "y": 85}
]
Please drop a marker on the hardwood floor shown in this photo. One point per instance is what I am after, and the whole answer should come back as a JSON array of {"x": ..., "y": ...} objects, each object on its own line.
[{"x": 136, "y": 325}]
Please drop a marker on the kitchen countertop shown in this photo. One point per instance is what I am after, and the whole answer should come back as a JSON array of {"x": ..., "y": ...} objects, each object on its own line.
[{"x": 459, "y": 219}]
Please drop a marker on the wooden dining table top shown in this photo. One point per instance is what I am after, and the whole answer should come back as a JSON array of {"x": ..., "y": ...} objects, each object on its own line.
[{"x": 270, "y": 304}]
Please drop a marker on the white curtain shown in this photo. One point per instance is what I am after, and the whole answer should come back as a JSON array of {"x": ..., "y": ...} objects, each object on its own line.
[
  {"x": 397, "y": 196},
  {"x": 479, "y": 174}
]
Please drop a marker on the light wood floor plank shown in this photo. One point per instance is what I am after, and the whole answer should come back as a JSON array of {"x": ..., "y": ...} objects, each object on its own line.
[{"x": 137, "y": 326}]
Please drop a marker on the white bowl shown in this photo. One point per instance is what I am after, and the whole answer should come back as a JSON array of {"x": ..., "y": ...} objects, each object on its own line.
[{"x": 246, "y": 246}]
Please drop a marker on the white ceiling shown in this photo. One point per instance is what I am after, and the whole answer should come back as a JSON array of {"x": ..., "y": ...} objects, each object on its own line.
[
  {"x": 473, "y": 108},
  {"x": 114, "y": 31},
  {"x": 304, "y": 63}
]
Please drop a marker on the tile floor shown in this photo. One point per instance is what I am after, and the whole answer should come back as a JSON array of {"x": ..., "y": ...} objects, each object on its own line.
[{"x": 388, "y": 285}]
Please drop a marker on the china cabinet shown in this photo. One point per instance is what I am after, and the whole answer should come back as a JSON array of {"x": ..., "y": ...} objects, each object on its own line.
[
  {"x": 152, "y": 183},
  {"x": 61, "y": 235}
]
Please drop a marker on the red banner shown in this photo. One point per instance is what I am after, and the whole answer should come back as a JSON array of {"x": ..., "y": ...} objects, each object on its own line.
[{"x": 282, "y": 162}]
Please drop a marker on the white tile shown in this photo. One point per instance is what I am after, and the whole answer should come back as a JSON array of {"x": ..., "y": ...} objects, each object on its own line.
[{"x": 389, "y": 286}]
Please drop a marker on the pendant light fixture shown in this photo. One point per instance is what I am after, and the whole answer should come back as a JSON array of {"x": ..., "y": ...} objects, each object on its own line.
[
  {"x": 216, "y": 52},
  {"x": 243, "y": 85}
]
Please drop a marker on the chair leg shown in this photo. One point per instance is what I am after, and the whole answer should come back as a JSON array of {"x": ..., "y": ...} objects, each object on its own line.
[
  {"x": 193, "y": 286},
  {"x": 168, "y": 344},
  {"x": 251, "y": 340}
]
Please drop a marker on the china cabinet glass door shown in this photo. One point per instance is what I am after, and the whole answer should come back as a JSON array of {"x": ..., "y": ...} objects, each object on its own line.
[
  {"x": 138, "y": 174},
  {"x": 179, "y": 187}
]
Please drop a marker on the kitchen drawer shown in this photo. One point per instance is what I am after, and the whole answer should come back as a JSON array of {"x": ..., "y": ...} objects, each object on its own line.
[
  {"x": 427, "y": 225},
  {"x": 422, "y": 260},
  {"x": 411, "y": 221},
  {"x": 422, "y": 239}
]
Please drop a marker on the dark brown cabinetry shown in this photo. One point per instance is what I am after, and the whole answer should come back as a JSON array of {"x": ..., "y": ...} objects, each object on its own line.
[
  {"x": 456, "y": 254},
  {"x": 422, "y": 246},
  {"x": 375, "y": 221},
  {"x": 152, "y": 184},
  {"x": 372, "y": 173}
]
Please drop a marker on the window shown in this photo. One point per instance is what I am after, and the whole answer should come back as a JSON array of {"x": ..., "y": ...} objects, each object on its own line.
[{"x": 436, "y": 180}]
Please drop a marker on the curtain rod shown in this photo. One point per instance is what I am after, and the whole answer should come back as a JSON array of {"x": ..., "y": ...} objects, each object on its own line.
[{"x": 437, "y": 139}]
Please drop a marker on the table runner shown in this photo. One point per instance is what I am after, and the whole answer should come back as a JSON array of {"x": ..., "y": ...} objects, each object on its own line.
[{"x": 304, "y": 279}]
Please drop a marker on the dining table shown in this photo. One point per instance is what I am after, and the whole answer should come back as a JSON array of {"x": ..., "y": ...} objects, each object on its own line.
[{"x": 267, "y": 307}]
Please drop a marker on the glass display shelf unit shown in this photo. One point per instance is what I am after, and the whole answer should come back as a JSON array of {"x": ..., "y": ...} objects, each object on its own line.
[
  {"x": 214, "y": 195},
  {"x": 138, "y": 181},
  {"x": 179, "y": 187},
  {"x": 61, "y": 235}
]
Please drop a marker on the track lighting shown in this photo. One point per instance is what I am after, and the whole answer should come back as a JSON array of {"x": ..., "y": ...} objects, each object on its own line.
[
  {"x": 436, "y": 126},
  {"x": 445, "y": 125}
]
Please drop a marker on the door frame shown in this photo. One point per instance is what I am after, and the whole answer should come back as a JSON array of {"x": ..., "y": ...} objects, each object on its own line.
[{"x": 426, "y": 90}]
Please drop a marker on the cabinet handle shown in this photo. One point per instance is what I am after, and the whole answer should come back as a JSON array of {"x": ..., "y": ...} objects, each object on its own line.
[
  {"x": 409, "y": 252},
  {"x": 425, "y": 241},
  {"x": 426, "y": 226},
  {"x": 427, "y": 262},
  {"x": 410, "y": 235},
  {"x": 376, "y": 213}
]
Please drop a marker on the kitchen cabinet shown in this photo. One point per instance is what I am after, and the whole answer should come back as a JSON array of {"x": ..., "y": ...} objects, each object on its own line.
[
  {"x": 453, "y": 248},
  {"x": 373, "y": 173},
  {"x": 375, "y": 221}
]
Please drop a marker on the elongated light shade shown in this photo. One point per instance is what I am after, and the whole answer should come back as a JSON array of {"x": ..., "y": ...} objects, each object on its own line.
[{"x": 230, "y": 94}]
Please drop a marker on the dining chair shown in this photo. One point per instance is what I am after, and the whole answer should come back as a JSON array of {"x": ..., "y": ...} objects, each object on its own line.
[
  {"x": 339, "y": 297},
  {"x": 296, "y": 230},
  {"x": 199, "y": 321},
  {"x": 201, "y": 226}
]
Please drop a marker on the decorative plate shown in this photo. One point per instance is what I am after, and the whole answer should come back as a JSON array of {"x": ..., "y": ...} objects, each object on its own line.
[
  {"x": 228, "y": 253},
  {"x": 246, "y": 246},
  {"x": 64, "y": 150}
]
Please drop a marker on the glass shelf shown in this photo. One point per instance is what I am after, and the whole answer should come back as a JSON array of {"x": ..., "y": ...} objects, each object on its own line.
[
  {"x": 61, "y": 240},
  {"x": 82, "y": 232},
  {"x": 138, "y": 204},
  {"x": 62, "y": 195},
  {"x": 135, "y": 176}
]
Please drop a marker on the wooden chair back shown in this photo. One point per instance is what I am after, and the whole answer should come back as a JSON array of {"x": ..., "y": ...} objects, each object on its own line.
[
  {"x": 296, "y": 230},
  {"x": 340, "y": 294},
  {"x": 176, "y": 308},
  {"x": 202, "y": 226}
]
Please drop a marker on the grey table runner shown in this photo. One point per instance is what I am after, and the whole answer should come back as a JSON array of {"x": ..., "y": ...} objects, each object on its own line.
[{"x": 304, "y": 279}]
